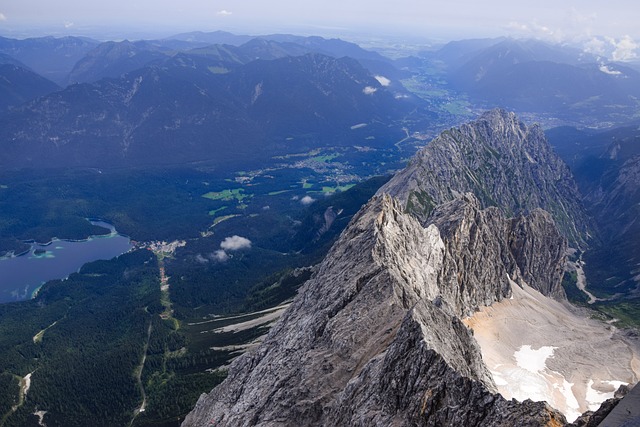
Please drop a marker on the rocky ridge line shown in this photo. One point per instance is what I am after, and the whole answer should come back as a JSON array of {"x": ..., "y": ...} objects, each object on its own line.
[
  {"x": 375, "y": 337},
  {"x": 504, "y": 163}
]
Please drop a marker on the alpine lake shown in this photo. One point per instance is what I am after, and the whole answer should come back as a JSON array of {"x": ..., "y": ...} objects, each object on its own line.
[{"x": 22, "y": 276}]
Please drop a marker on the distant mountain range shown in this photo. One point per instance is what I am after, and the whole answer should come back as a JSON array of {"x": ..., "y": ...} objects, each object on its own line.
[
  {"x": 188, "y": 109},
  {"x": 19, "y": 85},
  {"x": 51, "y": 57},
  {"x": 534, "y": 76},
  {"x": 529, "y": 76}
]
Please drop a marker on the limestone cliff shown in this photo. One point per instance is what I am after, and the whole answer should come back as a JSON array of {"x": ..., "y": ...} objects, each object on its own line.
[
  {"x": 375, "y": 338},
  {"x": 503, "y": 162}
]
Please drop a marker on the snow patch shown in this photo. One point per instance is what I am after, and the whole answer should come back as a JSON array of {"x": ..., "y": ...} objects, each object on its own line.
[
  {"x": 534, "y": 361},
  {"x": 595, "y": 397}
]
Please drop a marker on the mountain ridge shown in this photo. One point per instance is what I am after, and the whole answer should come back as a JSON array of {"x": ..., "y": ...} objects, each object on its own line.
[
  {"x": 183, "y": 112},
  {"x": 375, "y": 337},
  {"x": 503, "y": 162}
]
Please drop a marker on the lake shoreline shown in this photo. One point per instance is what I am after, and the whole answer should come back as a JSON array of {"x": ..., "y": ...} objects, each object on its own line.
[
  {"x": 94, "y": 221},
  {"x": 25, "y": 273}
]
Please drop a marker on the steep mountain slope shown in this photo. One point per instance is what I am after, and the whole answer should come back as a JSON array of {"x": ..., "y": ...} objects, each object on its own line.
[
  {"x": 532, "y": 76},
  {"x": 50, "y": 57},
  {"x": 503, "y": 162},
  {"x": 6, "y": 59},
  {"x": 19, "y": 85},
  {"x": 607, "y": 168},
  {"x": 375, "y": 337},
  {"x": 112, "y": 59},
  {"x": 183, "y": 111}
]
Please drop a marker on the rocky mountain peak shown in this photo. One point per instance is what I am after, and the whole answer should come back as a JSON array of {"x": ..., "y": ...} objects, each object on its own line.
[
  {"x": 503, "y": 162},
  {"x": 376, "y": 337}
]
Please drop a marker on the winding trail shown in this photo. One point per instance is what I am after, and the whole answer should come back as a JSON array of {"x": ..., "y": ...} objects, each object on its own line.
[
  {"x": 25, "y": 384},
  {"x": 142, "y": 407}
]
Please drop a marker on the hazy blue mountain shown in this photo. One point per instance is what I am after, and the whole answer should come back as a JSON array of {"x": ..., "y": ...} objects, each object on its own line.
[
  {"x": 456, "y": 53},
  {"x": 51, "y": 57},
  {"x": 229, "y": 56},
  {"x": 537, "y": 77},
  {"x": 183, "y": 111},
  {"x": 296, "y": 45},
  {"x": 7, "y": 59},
  {"x": 332, "y": 47},
  {"x": 509, "y": 52},
  {"x": 19, "y": 85},
  {"x": 208, "y": 38},
  {"x": 112, "y": 59}
]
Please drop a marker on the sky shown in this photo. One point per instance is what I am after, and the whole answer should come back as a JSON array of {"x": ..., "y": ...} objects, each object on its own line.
[{"x": 556, "y": 20}]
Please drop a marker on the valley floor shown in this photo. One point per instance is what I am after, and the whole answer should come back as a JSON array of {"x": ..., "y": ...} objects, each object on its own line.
[{"x": 541, "y": 349}]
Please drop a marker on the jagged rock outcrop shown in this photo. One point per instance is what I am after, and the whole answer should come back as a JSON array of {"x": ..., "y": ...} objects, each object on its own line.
[
  {"x": 500, "y": 160},
  {"x": 375, "y": 338},
  {"x": 594, "y": 418},
  {"x": 536, "y": 247}
]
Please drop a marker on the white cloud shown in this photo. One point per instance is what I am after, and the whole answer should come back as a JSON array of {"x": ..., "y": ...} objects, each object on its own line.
[
  {"x": 625, "y": 49},
  {"x": 307, "y": 200},
  {"x": 369, "y": 90},
  {"x": 383, "y": 80},
  {"x": 3, "y": 17},
  {"x": 201, "y": 260},
  {"x": 535, "y": 30},
  {"x": 595, "y": 46},
  {"x": 220, "y": 255},
  {"x": 224, "y": 13},
  {"x": 605, "y": 69},
  {"x": 68, "y": 24},
  {"x": 235, "y": 243}
]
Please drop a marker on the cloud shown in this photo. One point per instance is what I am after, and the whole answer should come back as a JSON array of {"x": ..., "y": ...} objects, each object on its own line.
[
  {"x": 605, "y": 69},
  {"x": 624, "y": 49},
  {"x": 369, "y": 90},
  {"x": 3, "y": 17},
  {"x": 235, "y": 243},
  {"x": 307, "y": 200},
  {"x": 201, "y": 260},
  {"x": 595, "y": 46},
  {"x": 220, "y": 256},
  {"x": 535, "y": 30},
  {"x": 224, "y": 13},
  {"x": 383, "y": 80},
  {"x": 68, "y": 24}
]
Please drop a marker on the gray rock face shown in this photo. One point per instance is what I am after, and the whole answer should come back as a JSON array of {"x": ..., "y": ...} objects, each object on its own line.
[
  {"x": 500, "y": 160},
  {"x": 375, "y": 337}
]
